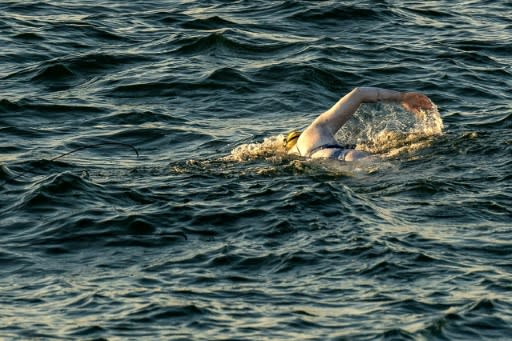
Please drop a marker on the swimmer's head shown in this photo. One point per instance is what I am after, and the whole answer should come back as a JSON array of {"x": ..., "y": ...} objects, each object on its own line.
[{"x": 291, "y": 139}]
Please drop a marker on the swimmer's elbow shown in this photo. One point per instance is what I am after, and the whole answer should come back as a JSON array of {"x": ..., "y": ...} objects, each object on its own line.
[
  {"x": 356, "y": 92},
  {"x": 364, "y": 94}
]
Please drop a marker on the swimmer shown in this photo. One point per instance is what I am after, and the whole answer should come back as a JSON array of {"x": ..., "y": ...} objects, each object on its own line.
[{"x": 317, "y": 140}]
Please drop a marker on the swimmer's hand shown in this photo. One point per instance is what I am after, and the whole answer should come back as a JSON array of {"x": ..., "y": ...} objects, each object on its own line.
[{"x": 416, "y": 103}]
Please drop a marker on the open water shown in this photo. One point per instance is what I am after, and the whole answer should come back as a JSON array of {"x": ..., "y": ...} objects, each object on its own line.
[{"x": 213, "y": 233}]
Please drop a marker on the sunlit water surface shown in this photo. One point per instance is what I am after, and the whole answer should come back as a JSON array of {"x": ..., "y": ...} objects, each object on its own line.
[{"x": 213, "y": 232}]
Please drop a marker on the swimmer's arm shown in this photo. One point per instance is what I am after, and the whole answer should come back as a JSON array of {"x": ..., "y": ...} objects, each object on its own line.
[{"x": 334, "y": 118}]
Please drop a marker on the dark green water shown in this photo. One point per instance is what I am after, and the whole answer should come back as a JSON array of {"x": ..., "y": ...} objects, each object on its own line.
[{"x": 212, "y": 233}]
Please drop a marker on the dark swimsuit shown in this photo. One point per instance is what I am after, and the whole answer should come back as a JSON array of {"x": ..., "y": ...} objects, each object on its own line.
[{"x": 338, "y": 155}]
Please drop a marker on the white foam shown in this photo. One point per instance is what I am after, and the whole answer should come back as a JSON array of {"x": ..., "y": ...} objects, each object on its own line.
[{"x": 271, "y": 147}]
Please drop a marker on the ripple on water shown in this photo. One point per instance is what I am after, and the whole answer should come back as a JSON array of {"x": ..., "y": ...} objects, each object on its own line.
[{"x": 214, "y": 232}]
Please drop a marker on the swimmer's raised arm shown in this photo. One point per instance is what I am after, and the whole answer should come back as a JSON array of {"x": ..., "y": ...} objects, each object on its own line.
[{"x": 334, "y": 118}]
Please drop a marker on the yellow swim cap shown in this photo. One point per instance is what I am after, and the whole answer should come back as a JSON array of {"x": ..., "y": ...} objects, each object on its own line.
[{"x": 291, "y": 139}]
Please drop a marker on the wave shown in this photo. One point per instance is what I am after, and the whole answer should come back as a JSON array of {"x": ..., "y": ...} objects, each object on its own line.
[
  {"x": 87, "y": 31},
  {"x": 46, "y": 195},
  {"x": 210, "y": 23},
  {"x": 92, "y": 224},
  {"x": 137, "y": 118},
  {"x": 228, "y": 41},
  {"x": 21, "y": 134},
  {"x": 496, "y": 122},
  {"x": 29, "y": 36},
  {"x": 53, "y": 72},
  {"x": 31, "y": 117},
  {"x": 478, "y": 319},
  {"x": 307, "y": 74},
  {"x": 323, "y": 13},
  {"x": 432, "y": 13},
  {"x": 224, "y": 78},
  {"x": 65, "y": 72}
]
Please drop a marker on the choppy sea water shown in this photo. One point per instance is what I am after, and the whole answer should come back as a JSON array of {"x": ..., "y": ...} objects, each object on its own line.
[{"x": 212, "y": 232}]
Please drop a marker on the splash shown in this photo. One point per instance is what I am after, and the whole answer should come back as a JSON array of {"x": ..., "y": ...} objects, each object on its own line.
[
  {"x": 389, "y": 130},
  {"x": 272, "y": 148}
]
